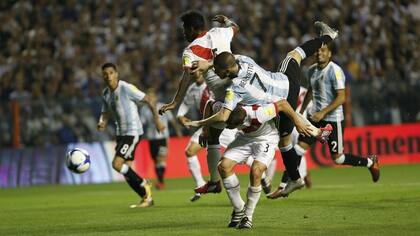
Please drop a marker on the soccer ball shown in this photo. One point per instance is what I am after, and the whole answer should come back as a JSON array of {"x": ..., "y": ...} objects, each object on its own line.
[{"x": 78, "y": 160}]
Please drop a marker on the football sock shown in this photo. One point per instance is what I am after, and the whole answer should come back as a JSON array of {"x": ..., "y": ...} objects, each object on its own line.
[
  {"x": 135, "y": 181},
  {"x": 355, "y": 160},
  {"x": 195, "y": 169},
  {"x": 160, "y": 171},
  {"x": 253, "y": 196},
  {"x": 289, "y": 156},
  {"x": 213, "y": 158},
  {"x": 233, "y": 187},
  {"x": 303, "y": 171},
  {"x": 285, "y": 177},
  {"x": 311, "y": 46}
]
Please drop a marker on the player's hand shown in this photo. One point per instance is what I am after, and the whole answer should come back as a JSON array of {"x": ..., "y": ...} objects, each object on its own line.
[
  {"x": 166, "y": 107},
  {"x": 317, "y": 116},
  {"x": 220, "y": 18},
  {"x": 304, "y": 129},
  {"x": 183, "y": 120},
  {"x": 199, "y": 66},
  {"x": 101, "y": 126},
  {"x": 160, "y": 127}
]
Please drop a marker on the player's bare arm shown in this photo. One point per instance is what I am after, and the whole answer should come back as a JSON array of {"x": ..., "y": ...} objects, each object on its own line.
[
  {"x": 220, "y": 116},
  {"x": 159, "y": 126},
  {"x": 339, "y": 100},
  {"x": 306, "y": 100},
  {"x": 188, "y": 77},
  {"x": 226, "y": 22},
  {"x": 103, "y": 121}
]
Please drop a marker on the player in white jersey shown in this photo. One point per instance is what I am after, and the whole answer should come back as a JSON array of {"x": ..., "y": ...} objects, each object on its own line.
[
  {"x": 327, "y": 83},
  {"x": 251, "y": 84},
  {"x": 120, "y": 101},
  {"x": 158, "y": 141},
  {"x": 204, "y": 45},
  {"x": 196, "y": 97},
  {"x": 258, "y": 137}
]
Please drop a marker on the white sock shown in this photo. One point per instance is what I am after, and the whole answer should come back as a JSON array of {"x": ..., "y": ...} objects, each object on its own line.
[
  {"x": 249, "y": 161},
  {"x": 370, "y": 163},
  {"x": 303, "y": 171},
  {"x": 124, "y": 169},
  {"x": 271, "y": 170},
  {"x": 233, "y": 188},
  {"x": 213, "y": 158},
  {"x": 195, "y": 169},
  {"x": 253, "y": 196}
]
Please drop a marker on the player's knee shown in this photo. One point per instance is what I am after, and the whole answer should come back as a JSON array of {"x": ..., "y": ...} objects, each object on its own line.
[
  {"x": 338, "y": 158},
  {"x": 224, "y": 167},
  {"x": 285, "y": 141},
  {"x": 257, "y": 170},
  {"x": 117, "y": 165}
]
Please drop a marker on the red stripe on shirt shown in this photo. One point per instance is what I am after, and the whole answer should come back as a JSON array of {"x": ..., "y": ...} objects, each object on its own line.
[{"x": 202, "y": 52}]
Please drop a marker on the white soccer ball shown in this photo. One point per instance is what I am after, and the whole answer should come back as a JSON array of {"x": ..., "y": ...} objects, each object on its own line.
[{"x": 78, "y": 160}]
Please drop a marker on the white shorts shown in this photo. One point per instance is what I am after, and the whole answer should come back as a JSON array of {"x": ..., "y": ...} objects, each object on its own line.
[
  {"x": 262, "y": 150},
  {"x": 226, "y": 137}
]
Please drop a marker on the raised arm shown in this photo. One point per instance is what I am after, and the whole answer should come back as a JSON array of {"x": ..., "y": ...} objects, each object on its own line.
[
  {"x": 226, "y": 22},
  {"x": 159, "y": 126}
]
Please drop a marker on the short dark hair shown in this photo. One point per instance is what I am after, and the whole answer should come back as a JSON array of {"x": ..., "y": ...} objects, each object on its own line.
[
  {"x": 224, "y": 60},
  {"x": 331, "y": 46},
  {"x": 109, "y": 64},
  {"x": 193, "y": 19}
]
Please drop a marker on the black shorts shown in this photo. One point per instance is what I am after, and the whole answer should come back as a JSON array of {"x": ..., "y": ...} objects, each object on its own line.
[
  {"x": 126, "y": 145},
  {"x": 291, "y": 68},
  {"x": 158, "y": 147},
  {"x": 335, "y": 141}
]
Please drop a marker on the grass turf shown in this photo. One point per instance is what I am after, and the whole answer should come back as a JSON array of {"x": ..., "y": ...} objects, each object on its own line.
[{"x": 343, "y": 201}]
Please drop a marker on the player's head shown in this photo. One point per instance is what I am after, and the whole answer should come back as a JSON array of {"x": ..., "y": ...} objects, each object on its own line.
[
  {"x": 324, "y": 53},
  {"x": 110, "y": 74},
  {"x": 193, "y": 24},
  {"x": 236, "y": 118},
  {"x": 225, "y": 65}
]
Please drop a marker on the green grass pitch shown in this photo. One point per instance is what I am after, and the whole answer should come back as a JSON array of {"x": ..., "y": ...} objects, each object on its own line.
[{"x": 343, "y": 201}]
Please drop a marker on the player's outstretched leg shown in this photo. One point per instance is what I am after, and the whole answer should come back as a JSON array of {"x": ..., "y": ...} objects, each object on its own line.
[{"x": 194, "y": 166}]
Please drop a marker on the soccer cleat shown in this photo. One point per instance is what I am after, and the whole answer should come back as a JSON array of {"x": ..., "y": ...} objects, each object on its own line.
[
  {"x": 209, "y": 187},
  {"x": 146, "y": 200},
  {"x": 275, "y": 194},
  {"x": 236, "y": 217},
  {"x": 324, "y": 29},
  {"x": 374, "y": 169},
  {"x": 266, "y": 186},
  {"x": 308, "y": 181},
  {"x": 196, "y": 197},
  {"x": 292, "y": 186},
  {"x": 245, "y": 223},
  {"x": 159, "y": 185},
  {"x": 324, "y": 133}
]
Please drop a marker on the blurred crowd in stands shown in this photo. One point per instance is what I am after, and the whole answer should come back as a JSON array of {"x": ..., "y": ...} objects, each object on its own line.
[{"x": 51, "y": 53}]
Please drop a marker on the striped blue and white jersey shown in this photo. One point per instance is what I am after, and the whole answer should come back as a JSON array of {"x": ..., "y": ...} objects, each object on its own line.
[
  {"x": 255, "y": 86},
  {"x": 146, "y": 116},
  {"x": 324, "y": 83},
  {"x": 122, "y": 105}
]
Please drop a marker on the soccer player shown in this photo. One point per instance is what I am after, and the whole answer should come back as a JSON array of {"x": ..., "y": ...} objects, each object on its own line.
[
  {"x": 251, "y": 84},
  {"x": 204, "y": 45},
  {"x": 258, "y": 138},
  {"x": 158, "y": 141},
  {"x": 120, "y": 101},
  {"x": 327, "y": 84},
  {"x": 197, "y": 96}
]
